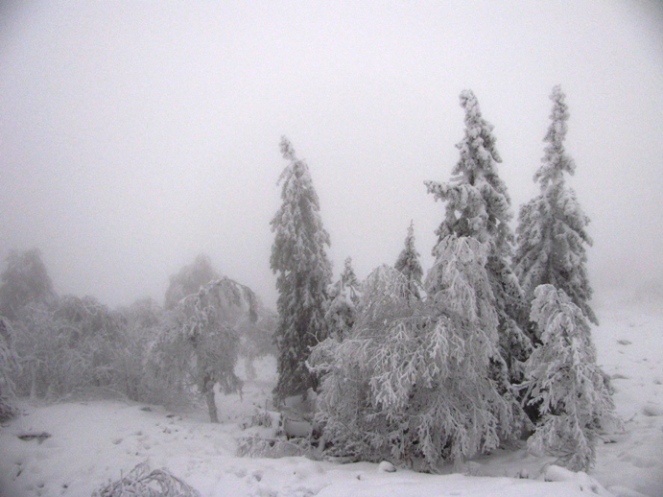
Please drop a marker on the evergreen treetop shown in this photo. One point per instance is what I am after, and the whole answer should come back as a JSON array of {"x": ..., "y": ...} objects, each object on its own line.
[
  {"x": 408, "y": 264},
  {"x": 478, "y": 204},
  {"x": 551, "y": 231}
]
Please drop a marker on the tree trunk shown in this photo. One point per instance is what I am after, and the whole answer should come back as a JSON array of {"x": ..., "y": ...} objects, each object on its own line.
[{"x": 211, "y": 404}]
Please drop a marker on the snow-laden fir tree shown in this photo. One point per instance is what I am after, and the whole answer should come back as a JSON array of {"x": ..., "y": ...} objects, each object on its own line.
[
  {"x": 552, "y": 228},
  {"x": 343, "y": 299},
  {"x": 408, "y": 264},
  {"x": 478, "y": 206},
  {"x": 299, "y": 259},
  {"x": 566, "y": 384},
  {"x": 411, "y": 383}
]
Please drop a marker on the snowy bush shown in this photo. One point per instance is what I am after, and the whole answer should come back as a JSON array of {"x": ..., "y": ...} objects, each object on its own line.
[
  {"x": 412, "y": 380},
  {"x": 78, "y": 346},
  {"x": 65, "y": 347},
  {"x": 564, "y": 381}
]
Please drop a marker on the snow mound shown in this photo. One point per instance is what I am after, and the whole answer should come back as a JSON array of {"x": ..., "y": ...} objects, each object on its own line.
[{"x": 582, "y": 480}]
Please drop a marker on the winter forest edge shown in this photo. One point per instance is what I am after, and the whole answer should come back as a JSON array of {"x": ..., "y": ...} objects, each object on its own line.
[{"x": 490, "y": 348}]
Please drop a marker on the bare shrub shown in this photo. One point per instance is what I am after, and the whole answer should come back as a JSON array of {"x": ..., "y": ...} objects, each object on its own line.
[{"x": 140, "y": 481}]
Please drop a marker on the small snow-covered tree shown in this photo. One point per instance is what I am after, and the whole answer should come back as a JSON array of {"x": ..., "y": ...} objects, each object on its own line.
[
  {"x": 299, "y": 259},
  {"x": 552, "y": 228},
  {"x": 478, "y": 206},
  {"x": 343, "y": 299},
  {"x": 408, "y": 264},
  {"x": 564, "y": 381},
  {"x": 347, "y": 406},
  {"x": 24, "y": 280},
  {"x": 200, "y": 342}
]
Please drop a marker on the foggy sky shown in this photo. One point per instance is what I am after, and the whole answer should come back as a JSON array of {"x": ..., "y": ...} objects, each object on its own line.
[{"x": 136, "y": 135}]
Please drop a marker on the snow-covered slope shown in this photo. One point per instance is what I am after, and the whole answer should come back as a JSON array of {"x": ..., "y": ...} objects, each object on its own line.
[{"x": 93, "y": 442}]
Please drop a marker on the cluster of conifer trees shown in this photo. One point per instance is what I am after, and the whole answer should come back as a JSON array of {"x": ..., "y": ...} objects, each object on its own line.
[{"x": 492, "y": 345}]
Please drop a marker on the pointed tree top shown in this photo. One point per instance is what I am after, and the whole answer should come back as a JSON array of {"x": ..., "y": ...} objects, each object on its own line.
[
  {"x": 555, "y": 160},
  {"x": 348, "y": 277},
  {"x": 287, "y": 150},
  {"x": 477, "y": 130}
]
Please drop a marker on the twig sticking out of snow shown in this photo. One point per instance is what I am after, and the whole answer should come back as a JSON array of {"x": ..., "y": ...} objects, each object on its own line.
[{"x": 140, "y": 481}]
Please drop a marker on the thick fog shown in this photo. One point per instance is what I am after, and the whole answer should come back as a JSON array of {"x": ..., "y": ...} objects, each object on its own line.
[{"x": 136, "y": 135}]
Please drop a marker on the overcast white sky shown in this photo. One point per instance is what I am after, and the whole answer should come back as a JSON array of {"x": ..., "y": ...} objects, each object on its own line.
[{"x": 135, "y": 135}]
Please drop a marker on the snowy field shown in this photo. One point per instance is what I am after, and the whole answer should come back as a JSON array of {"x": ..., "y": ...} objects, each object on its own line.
[{"x": 93, "y": 442}]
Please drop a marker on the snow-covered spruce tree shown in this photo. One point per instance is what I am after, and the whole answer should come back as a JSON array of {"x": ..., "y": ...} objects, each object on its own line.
[
  {"x": 552, "y": 227},
  {"x": 478, "y": 206},
  {"x": 200, "y": 342},
  {"x": 412, "y": 381},
  {"x": 303, "y": 271},
  {"x": 408, "y": 264},
  {"x": 343, "y": 299},
  {"x": 564, "y": 381}
]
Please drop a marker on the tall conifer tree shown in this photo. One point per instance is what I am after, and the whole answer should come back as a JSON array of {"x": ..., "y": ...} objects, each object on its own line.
[
  {"x": 299, "y": 259},
  {"x": 551, "y": 231},
  {"x": 478, "y": 206}
]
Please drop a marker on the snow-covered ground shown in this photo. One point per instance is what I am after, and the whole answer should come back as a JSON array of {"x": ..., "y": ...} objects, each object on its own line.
[{"x": 94, "y": 442}]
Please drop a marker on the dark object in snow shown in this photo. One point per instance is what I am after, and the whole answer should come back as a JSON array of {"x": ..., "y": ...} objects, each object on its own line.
[
  {"x": 146, "y": 409},
  {"x": 141, "y": 481},
  {"x": 39, "y": 437}
]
